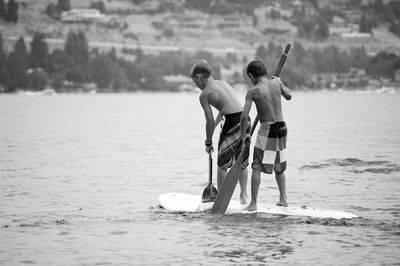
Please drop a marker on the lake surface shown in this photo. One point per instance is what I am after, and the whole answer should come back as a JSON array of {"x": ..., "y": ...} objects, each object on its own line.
[{"x": 80, "y": 177}]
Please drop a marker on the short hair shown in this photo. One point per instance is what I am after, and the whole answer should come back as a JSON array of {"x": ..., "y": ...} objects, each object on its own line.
[
  {"x": 201, "y": 67},
  {"x": 256, "y": 69}
]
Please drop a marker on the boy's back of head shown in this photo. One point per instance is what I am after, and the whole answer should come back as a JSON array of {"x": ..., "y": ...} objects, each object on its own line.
[
  {"x": 256, "y": 69},
  {"x": 201, "y": 67}
]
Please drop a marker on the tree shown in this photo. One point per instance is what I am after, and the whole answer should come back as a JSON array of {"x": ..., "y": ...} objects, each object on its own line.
[
  {"x": 394, "y": 7},
  {"x": 99, "y": 5},
  {"x": 322, "y": 30},
  {"x": 274, "y": 14},
  {"x": 101, "y": 70},
  {"x": 383, "y": 64},
  {"x": 4, "y": 77},
  {"x": 3, "y": 9},
  {"x": 64, "y": 5},
  {"x": 37, "y": 79},
  {"x": 12, "y": 11},
  {"x": 39, "y": 56},
  {"x": 53, "y": 11},
  {"x": 120, "y": 80},
  {"x": 365, "y": 24},
  {"x": 59, "y": 62},
  {"x": 358, "y": 57},
  {"x": 76, "y": 74},
  {"x": 76, "y": 46},
  {"x": 17, "y": 65}
]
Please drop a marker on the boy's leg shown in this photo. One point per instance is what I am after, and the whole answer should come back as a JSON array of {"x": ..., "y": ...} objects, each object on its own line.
[
  {"x": 255, "y": 184},
  {"x": 243, "y": 186},
  {"x": 281, "y": 181},
  {"x": 221, "y": 173}
]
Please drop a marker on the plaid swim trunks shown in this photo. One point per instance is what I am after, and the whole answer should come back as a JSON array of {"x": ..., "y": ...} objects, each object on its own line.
[
  {"x": 269, "y": 150},
  {"x": 230, "y": 142}
]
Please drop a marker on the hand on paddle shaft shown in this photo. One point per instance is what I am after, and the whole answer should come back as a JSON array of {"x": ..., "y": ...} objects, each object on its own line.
[
  {"x": 209, "y": 146},
  {"x": 210, "y": 192},
  {"x": 278, "y": 69},
  {"x": 209, "y": 149}
]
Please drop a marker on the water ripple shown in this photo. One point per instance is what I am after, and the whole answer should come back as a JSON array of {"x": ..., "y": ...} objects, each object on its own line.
[{"x": 355, "y": 165}]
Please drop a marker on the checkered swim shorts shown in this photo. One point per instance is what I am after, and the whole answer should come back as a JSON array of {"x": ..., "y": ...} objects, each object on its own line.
[
  {"x": 230, "y": 142},
  {"x": 269, "y": 150}
]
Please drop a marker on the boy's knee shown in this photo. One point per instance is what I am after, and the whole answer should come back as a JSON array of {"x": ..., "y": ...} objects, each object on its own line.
[{"x": 279, "y": 170}]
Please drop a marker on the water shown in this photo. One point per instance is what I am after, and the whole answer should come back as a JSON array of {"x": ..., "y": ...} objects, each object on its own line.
[{"x": 81, "y": 174}]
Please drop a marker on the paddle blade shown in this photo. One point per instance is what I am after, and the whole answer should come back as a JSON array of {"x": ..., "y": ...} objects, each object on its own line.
[
  {"x": 225, "y": 194},
  {"x": 209, "y": 194}
]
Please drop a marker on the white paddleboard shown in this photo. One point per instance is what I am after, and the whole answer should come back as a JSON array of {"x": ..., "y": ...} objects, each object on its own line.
[{"x": 181, "y": 202}]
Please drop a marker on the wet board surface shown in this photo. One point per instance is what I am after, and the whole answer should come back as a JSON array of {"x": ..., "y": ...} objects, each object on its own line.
[{"x": 181, "y": 202}]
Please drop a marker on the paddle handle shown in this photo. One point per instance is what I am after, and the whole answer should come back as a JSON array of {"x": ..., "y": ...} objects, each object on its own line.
[
  {"x": 278, "y": 69},
  {"x": 210, "y": 170}
]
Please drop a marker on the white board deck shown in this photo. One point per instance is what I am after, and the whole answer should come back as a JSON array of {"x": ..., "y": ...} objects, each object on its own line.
[{"x": 181, "y": 202}]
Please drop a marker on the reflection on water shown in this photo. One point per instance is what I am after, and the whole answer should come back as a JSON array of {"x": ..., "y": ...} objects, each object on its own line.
[{"x": 80, "y": 177}]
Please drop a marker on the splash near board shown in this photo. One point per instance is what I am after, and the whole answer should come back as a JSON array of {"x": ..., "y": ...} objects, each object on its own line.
[{"x": 181, "y": 202}]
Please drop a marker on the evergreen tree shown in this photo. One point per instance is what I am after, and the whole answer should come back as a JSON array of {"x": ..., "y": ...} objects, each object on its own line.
[
  {"x": 322, "y": 30},
  {"x": 365, "y": 24},
  {"x": 64, "y": 5},
  {"x": 17, "y": 65},
  {"x": 101, "y": 70},
  {"x": 99, "y": 5},
  {"x": 358, "y": 57},
  {"x": 37, "y": 79},
  {"x": 120, "y": 80},
  {"x": 12, "y": 11},
  {"x": 59, "y": 62},
  {"x": 4, "y": 77},
  {"x": 39, "y": 56},
  {"x": 77, "y": 48},
  {"x": 3, "y": 9}
]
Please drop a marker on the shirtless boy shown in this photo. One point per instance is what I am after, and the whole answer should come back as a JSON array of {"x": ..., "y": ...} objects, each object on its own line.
[
  {"x": 269, "y": 149},
  {"x": 221, "y": 96}
]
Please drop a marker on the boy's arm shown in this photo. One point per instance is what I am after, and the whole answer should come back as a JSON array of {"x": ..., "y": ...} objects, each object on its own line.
[
  {"x": 285, "y": 92},
  {"x": 217, "y": 119},
  {"x": 245, "y": 115},
  {"x": 209, "y": 118}
]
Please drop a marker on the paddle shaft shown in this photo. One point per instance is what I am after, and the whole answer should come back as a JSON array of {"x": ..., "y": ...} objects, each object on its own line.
[
  {"x": 278, "y": 69},
  {"x": 228, "y": 186},
  {"x": 210, "y": 169}
]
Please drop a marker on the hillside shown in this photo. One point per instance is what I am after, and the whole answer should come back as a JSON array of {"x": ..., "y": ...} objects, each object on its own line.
[{"x": 130, "y": 28}]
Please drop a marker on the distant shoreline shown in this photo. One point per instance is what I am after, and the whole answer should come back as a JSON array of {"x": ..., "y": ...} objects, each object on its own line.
[{"x": 152, "y": 49}]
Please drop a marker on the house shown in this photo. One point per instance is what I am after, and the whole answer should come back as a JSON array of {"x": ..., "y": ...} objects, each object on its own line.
[
  {"x": 306, "y": 7},
  {"x": 81, "y": 15},
  {"x": 231, "y": 21},
  {"x": 186, "y": 21},
  {"x": 352, "y": 16},
  {"x": 339, "y": 26}
]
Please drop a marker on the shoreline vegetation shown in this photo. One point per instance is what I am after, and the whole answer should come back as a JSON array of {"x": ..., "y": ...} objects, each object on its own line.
[
  {"x": 78, "y": 68},
  {"x": 72, "y": 63}
]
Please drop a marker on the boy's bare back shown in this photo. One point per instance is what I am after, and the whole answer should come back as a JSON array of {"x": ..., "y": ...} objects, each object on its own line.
[
  {"x": 267, "y": 98},
  {"x": 221, "y": 95}
]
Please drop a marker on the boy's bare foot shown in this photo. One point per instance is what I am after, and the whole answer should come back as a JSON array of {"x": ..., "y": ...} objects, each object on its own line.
[
  {"x": 282, "y": 203},
  {"x": 251, "y": 207}
]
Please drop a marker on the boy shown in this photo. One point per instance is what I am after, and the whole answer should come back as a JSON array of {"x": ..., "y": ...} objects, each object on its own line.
[{"x": 269, "y": 149}]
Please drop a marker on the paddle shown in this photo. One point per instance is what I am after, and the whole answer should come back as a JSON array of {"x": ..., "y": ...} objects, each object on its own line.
[
  {"x": 210, "y": 192},
  {"x": 231, "y": 179}
]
